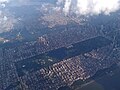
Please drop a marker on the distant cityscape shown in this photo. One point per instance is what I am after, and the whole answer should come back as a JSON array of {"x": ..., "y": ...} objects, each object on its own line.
[
  {"x": 51, "y": 52},
  {"x": 58, "y": 74}
]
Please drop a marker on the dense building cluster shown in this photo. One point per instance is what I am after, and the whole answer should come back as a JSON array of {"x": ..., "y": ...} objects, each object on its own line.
[
  {"x": 61, "y": 73},
  {"x": 68, "y": 71}
]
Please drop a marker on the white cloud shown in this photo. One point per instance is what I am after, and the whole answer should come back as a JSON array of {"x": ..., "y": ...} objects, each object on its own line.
[
  {"x": 84, "y": 7},
  {"x": 67, "y": 6},
  {"x": 1, "y": 1},
  {"x": 7, "y": 21}
]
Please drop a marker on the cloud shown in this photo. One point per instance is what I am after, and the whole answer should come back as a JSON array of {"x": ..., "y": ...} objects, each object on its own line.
[
  {"x": 83, "y": 7},
  {"x": 67, "y": 5},
  {"x": 2, "y": 1},
  {"x": 7, "y": 21}
]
